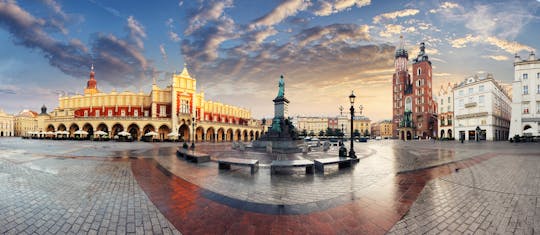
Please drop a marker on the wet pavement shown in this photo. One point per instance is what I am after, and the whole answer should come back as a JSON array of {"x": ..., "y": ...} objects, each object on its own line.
[{"x": 398, "y": 187}]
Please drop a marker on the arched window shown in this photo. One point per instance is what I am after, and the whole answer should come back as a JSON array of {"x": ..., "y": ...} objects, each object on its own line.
[
  {"x": 408, "y": 104},
  {"x": 419, "y": 71}
]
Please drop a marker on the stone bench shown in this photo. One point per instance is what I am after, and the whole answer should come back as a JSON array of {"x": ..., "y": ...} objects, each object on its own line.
[
  {"x": 341, "y": 161},
  {"x": 193, "y": 156},
  {"x": 226, "y": 163},
  {"x": 291, "y": 163}
]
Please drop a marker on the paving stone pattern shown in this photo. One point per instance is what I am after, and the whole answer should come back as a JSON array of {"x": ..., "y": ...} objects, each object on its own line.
[
  {"x": 75, "y": 197},
  {"x": 500, "y": 196}
]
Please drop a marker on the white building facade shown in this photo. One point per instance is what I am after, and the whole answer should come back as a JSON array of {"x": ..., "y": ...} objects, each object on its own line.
[
  {"x": 526, "y": 97},
  {"x": 445, "y": 104},
  {"x": 7, "y": 124},
  {"x": 482, "y": 109}
]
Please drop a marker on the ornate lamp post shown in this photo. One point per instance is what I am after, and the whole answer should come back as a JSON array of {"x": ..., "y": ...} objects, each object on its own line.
[
  {"x": 351, "y": 99},
  {"x": 193, "y": 130}
]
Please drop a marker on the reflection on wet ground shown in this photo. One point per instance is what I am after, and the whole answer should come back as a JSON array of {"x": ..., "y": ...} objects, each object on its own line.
[{"x": 367, "y": 198}]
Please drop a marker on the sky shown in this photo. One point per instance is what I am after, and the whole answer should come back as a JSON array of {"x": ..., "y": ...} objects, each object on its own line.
[{"x": 237, "y": 49}]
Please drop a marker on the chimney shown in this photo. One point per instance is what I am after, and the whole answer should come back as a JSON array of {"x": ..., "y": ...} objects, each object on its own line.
[
  {"x": 531, "y": 56},
  {"x": 516, "y": 58}
]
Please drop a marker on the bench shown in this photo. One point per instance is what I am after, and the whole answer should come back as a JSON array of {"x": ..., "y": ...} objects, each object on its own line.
[
  {"x": 341, "y": 161},
  {"x": 226, "y": 163},
  {"x": 291, "y": 163},
  {"x": 193, "y": 156}
]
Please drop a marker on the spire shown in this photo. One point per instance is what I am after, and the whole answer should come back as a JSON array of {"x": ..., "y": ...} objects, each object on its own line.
[
  {"x": 91, "y": 85},
  {"x": 401, "y": 52},
  {"x": 185, "y": 72}
]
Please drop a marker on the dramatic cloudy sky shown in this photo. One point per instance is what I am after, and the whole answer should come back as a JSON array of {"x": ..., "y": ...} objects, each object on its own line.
[{"x": 237, "y": 49}]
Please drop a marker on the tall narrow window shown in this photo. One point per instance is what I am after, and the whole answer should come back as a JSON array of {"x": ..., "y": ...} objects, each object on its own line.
[
  {"x": 97, "y": 113},
  {"x": 123, "y": 113},
  {"x": 526, "y": 90},
  {"x": 109, "y": 113},
  {"x": 86, "y": 113},
  {"x": 525, "y": 76},
  {"x": 162, "y": 111},
  {"x": 136, "y": 113}
]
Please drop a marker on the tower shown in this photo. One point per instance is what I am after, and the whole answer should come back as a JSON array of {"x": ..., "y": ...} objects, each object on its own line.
[
  {"x": 91, "y": 85},
  {"x": 401, "y": 85},
  {"x": 424, "y": 107}
]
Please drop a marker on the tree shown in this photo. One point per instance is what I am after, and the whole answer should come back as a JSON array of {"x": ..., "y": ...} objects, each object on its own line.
[
  {"x": 339, "y": 133},
  {"x": 329, "y": 132},
  {"x": 321, "y": 133},
  {"x": 356, "y": 133},
  {"x": 304, "y": 132}
]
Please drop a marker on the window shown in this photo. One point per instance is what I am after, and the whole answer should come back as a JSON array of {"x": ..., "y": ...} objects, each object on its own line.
[
  {"x": 471, "y": 99},
  {"x": 526, "y": 109},
  {"x": 461, "y": 103},
  {"x": 481, "y": 100},
  {"x": 184, "y": 106},
  {"x": 146, "y": 113},
  {"x": 86, "y": 113},
  {"x": 537, "y": 75},
  {"x": 525, "y": 76},
  {"x": 449, "y": 101},
  {"x": 442, "y": 101},
  {"x": 525, "y": 90},
  {"x": 136, "y": 113},
  {"x": 109, "y": 113},
  {"x": 538, "y": 108},
  {"x": 419, "y": 71},
  {"x": 123, "y": 113},
  {"x": 449, "y": 108},
  {"x": 481, "y": 88},
  {"x": 471, "y": 90},
  {"x": 162, "y": 111},
  {"x": 538, "y": 89},
  {"x": 97, "y": 113},
  {"x": 461, "y": 93}
]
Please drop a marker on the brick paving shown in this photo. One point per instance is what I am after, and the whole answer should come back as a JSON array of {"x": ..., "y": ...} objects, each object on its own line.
[
  {"x": 50, "y": 187},
  {"x": 67, "y": 196}
]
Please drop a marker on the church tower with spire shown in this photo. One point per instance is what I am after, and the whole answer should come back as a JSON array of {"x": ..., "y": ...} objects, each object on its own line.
[
  {"x": 414, "y": 110},
  {"x": 91, "y": 85}
]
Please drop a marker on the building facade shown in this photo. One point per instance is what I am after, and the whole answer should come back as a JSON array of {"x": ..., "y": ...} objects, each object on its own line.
[
  {"x": 177, "y": 109},
  {"x": 526, "y": 97},
  {"x": 7, "y": 124},
  {"x": 26, "y": 121},
  {"x": 318, "y": 124},
  {"x": 482, "y": 109},
  {"x": 445, "y": 105},
  {"x": 414, "y": 110}
]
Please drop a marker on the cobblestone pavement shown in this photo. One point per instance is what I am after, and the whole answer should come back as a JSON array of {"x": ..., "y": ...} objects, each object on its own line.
[
  {"x": 501, "y": 196},
  {"x": 68, "y": 196},
  {"x": 401, "y": 187}
]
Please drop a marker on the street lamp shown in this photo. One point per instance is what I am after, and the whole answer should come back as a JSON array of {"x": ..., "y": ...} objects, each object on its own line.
[
  {"x": 193, "y": 131},
  {"x": 351, "y": 99}
]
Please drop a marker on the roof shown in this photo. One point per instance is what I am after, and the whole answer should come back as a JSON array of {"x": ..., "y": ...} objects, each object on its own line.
[{"x": 27, "y": 113}]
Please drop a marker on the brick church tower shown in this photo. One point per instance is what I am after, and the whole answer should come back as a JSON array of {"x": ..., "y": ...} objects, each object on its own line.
[{"x": 414, "y": 110}]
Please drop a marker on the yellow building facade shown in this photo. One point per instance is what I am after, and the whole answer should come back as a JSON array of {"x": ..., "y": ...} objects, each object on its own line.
[
  {"x": 25, "y": 121},
  {"x": 177, "y": 109},
  {"x": 7, "y": 124}
]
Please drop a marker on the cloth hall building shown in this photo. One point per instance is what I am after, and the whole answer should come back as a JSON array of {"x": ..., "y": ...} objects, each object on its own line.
[{"x": 177, "y": 109}]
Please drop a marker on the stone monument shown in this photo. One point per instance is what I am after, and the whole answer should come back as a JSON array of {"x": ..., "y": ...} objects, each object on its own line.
[{"x": 282, "y": 135}]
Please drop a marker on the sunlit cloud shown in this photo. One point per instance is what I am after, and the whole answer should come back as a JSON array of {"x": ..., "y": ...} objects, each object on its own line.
[{"x": 394, "y": 15}]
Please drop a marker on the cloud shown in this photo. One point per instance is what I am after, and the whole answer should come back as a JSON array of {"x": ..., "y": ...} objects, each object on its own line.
[
  {"x": 444, "y": 7},
  {"x": 136, "y": 31},
  {"x": 108, "y": 9},
  {"x": 163, "y": 53},
  {"x": 7, "y": 91},
  {"x": 172, "y": 35},
  {"x": 497, "y": 57},
  {"x": 118, "y": 61},
  {"x": 392, "y": 29},
  {"x": 326, "y": 8},
  {"x": 208, "y": 12},
  {"x": 282, "y": 11},
  {"x": 510, "y": 47},
  {"x": 332, "y": 34},
  {"x": 180, "y": 3},
  {"x": 394, "y": 15}
]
